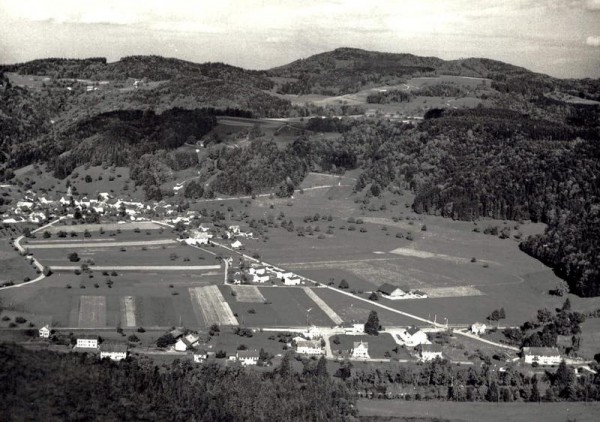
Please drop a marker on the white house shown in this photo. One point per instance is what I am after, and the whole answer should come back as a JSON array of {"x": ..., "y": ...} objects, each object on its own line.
[
  {"x": 87, "y": 342},
  {"x": 186, "y": 342},
  {"x": 283, "y": 275},
  {"x": 392, "y": 292},
  {"x": 45, "y": 331},
  {"x": 430, "y": 351},
  {"x": 291, "y": 281},
  {"x": 353, "y": 328},
  {"x": 113, "y": 351},
  {"x": 313, "y": 332},
  {"x": 542, "y": 355},
  {"x": 309, "y": 347},
  {"x": 413, "y": 337},
  {"x": 200, "y": 356},
  {"x": 257, "y": 270},
  {"x": 247, "y": 357},
  {"x": 234, "y": 229},
  {"x": 260, "y": 278},
  {"x": 236, "y": 245},
  {"x": 360, "y": 350},
  {"x": 478, "y": 328}
]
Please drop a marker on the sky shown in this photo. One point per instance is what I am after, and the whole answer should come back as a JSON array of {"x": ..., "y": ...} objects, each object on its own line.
[{"x": 557, "y": 37}]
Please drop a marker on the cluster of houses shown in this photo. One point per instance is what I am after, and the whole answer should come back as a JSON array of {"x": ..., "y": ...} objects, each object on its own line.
[
  {"x": 108, "y": 350},
  {"x": 261, "y": 274},
  {"x": 391, "y": 292}
]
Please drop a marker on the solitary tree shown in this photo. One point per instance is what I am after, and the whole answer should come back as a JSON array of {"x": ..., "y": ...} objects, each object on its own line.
[
  {"x": 344, "y": 284},
  {"x": 73, "y": 257},
  {"x": 372, "y": 324}
]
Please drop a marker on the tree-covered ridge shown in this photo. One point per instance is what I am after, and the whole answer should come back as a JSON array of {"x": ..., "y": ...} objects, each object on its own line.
[{"x": 50, "y": 386}]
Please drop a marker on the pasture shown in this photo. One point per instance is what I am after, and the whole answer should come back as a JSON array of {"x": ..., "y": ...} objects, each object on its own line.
[
  {"x": 466, "y": 411},
  {"x": 283, "y": 307},
  {"x": 14, "y": 267}
]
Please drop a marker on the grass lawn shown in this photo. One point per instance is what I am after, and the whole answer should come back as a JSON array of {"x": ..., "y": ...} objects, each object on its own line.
[
  {"x": 449, "y": 411},
  {"x": 14, "y": 266},
  {"x": 229, "y": 342}
]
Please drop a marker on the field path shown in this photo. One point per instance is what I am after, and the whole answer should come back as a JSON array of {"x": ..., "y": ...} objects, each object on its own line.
[
  {"x": 138, "y": 267},
  {"x": 100, "y": 244},
  {"x": 128, "y": 311},
  {"x": 324, "y": 306}
]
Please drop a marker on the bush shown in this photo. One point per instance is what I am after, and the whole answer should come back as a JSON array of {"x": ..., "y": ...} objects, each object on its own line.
[
  {"x": 73, "y": 257},
  {"x": 133, "y": 338},
  {"x": 141, "y": 330},
  {"x": 344, "y": 284},
  {"x": 373, "y": 296},
  {"x": 20, "y": 320}
]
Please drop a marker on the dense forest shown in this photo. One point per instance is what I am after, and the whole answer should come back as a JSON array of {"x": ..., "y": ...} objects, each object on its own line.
[{"x": 51, "y": 386}]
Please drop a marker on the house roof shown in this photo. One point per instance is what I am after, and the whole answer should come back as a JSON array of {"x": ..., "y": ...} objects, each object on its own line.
[
  {"x": 244, "y": 354},
  {"x": 113, "y": 347},
  {"x": 387, "y": 288},
  {"x": 431, "y": 348},
  {"x": 201, "y": 352},
  {"x": 541, "y": 351},
  {"x": 87, "y": 337},
  {"x": 361, "y": 344},
  {"x": 413, "y": 330},
  {"x": 176, "y": 333},
  {"x": 309, "y": 343}
]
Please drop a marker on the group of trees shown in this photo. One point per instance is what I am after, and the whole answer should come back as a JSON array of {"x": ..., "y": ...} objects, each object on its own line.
[{"x": 77, "y": 387}]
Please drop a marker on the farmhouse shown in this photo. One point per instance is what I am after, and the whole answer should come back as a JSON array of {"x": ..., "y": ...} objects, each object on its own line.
[
  {"x": 309, "y": 347},
  {"x": 236, "y": 245},
  {"x": 541, "y": 355},
  {"x": 291, "y": 281},
  {"x": 392, "y": 292},
  {"x": 413, "y": 336},
  {"x": 186, "y": 342},
  {"x": 257, "y": 270},
  {"x": 478, "y": 328},
  {"x": 234, "y": 229},
  {"x": 200, "y": 356},
  {"x": 45, "y": 331},
  {"x": 87, "y": 342},
  {"x": 113, "y": 351},
  {"x": 260, "y": 278},
  {"x": 283, "y": 275},
  {"x": 247, "y": 357},
  {"x": 353, "y": 327},
  {"x": 313, "y": 332},
  {"x": 360, "y": 350},
  {"x": 430, "y": 351}
]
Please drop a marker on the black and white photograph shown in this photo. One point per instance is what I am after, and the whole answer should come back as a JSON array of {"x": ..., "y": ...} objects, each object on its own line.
[{"x": 318, "y": 210}]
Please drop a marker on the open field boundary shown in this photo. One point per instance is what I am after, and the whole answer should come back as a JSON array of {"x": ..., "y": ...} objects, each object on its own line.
[
  {"x": 128, "y": 311},
  {"x": 248, "y": 294},
  {"x": 210, "y": 306},
  {"x": 138, "y": 267},
  {"x": 92, "y": 311},
  {"x": 324, "y": 306},
  {"x": 100, "y": 244}
]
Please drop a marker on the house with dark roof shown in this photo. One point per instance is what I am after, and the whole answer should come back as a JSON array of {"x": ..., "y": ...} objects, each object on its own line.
[
  {"x": 247, "y": 357},
  {"x": 87, "y": 342},
  {"x": 413, "y": 336},
  {"x": 392, "y": 292}
]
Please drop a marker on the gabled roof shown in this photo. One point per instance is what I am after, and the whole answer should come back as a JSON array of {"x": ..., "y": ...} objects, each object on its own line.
[
  {"x": 245, "y": 354},
  {"x": 113, "y": 347},
  {"x": 431, "y": 348},
  {"x": 315, "y": 344},
  {"x": 361, "y": 344},
  {"x": 87, "y": 337},
  {"x": 541, "y": 351},
  {"x": 387, "y": 288},
  {"x": 413, "y": 330}
]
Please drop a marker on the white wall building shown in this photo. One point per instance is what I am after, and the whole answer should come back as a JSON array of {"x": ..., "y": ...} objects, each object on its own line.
[
  {"x": 309, "y": 347},
  {"x": 478, "y": 328},
  {"x": 360, "y": 350},
  {"x": 430, "y": 352},
  {"x": 87, "y": 342},
  {"x": 413, "y": 337},
  {"x": 113, "y": 351},
  {"x": 542, "y": 355},
  {"x": 247, "y": 357},
  {"x": 45, "y": 331}
]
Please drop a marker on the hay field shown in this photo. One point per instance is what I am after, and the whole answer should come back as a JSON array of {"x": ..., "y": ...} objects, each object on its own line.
[
  {"x": 248, "y": 294},
  {"x": 92, "y": 312},
  {"x": 210, "y": 306}
]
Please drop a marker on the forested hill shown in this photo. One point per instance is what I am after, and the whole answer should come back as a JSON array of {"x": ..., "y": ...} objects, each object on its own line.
[{"x": 75, "y": 387}]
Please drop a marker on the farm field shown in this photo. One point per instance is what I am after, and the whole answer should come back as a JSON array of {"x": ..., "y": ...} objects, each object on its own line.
[
  {"x": 121, "y": 231},
  {"x": 355, "y": 310},
  {"x": 229, "y": 342},
  {"x": 492, "y": 412},
  {"x": 14, "y": 266},
  {"x": 590, "y": 338},
  {"x": 167, "y": 254},
  {"x": 284, "y": 307},
  {"x": 135, "y": 299},
  {"x": 210, "y": 306}
]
